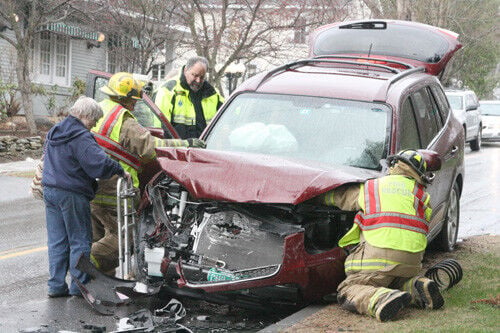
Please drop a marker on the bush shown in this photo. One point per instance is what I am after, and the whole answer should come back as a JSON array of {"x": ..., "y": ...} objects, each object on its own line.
[{"x": 9, "y": 105}]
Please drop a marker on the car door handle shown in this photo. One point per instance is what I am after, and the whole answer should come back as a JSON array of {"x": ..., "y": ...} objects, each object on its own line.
[{"x": 450, "y": 153}]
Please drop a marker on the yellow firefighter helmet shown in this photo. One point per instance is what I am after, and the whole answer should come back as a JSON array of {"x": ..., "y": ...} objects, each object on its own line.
[{"x": 123, "y": 85}]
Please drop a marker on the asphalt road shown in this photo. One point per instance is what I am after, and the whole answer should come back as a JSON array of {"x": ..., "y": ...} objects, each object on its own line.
[{"x": 23, "y": 254}]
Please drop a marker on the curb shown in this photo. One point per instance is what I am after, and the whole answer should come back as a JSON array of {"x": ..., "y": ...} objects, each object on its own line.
[
  {"x": 27, "y": 165},
  {"x": 293, "y": 319}
]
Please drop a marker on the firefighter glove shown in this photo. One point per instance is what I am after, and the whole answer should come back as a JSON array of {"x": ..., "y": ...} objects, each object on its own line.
[{"x": 196, "y": 143}]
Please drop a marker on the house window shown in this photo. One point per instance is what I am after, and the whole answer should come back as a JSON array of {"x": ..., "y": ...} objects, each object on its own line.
[
  {"x": 158, "y": 72},
  {"x": 117, "y": 62},
  {"x": 299, "y": 32},
  {"x": 52, "y": 59}
]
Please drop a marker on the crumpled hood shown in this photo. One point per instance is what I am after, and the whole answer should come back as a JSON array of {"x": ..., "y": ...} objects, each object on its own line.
[{"x": 253, "y": 178}]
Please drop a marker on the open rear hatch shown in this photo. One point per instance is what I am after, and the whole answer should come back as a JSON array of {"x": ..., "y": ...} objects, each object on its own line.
[{"x": 417, "y": 44}]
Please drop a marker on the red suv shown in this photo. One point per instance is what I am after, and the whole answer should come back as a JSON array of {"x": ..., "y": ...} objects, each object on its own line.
[{"x": 237, "y": 222}]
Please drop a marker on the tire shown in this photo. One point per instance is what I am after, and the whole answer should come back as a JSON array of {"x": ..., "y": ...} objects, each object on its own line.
[
  {"x": 447, "y": 237},
  {"x": 475, "y": 144}
]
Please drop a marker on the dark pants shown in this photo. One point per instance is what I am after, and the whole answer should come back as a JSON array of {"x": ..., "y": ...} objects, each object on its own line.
[{"x": 69, "y": 234}]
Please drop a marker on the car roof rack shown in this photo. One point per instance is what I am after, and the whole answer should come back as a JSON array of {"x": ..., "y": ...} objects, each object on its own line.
[
  {"x": 383, "y": 90},
  {"x": 403, "y": 74},
  {"x": 407, "y": 65},
  {"x": 304, "y": 62}
]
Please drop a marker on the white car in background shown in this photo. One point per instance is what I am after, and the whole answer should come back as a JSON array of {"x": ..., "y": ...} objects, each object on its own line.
[
  {"x": 465, "y": 105},
  {"x": 491, "y": 120}
]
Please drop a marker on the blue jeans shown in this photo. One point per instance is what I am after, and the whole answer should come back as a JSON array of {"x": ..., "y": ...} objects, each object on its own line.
[{"x": 69, "y": 234}]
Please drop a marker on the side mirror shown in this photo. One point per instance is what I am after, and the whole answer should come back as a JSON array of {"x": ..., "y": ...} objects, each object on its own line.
[{"x": 432, "y": 159}]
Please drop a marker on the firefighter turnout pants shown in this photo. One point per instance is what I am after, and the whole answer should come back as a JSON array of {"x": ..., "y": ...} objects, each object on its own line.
[
  {"x": 105, "y": 238},
  {"x": 373, "y": 272}
]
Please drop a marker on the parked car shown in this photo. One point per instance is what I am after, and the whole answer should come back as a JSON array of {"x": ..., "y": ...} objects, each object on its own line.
[
  {"x": 465, "y": 105},
  {"x": 238, "y": 222},
  {"x": 490, "y": 111}
]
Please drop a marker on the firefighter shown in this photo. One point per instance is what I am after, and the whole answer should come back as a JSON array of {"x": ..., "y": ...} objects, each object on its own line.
[
  {"x": 188, "y": 101},
  {"x": 389, "y": 234},
  {"x": 124, "y": 139}
]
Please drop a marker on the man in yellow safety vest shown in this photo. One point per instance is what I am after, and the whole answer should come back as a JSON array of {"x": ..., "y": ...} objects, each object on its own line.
[
  {"x": 389, "y": 234},
  {"x": 132, "y": 145},
  {"x": 188, "y": 101}
]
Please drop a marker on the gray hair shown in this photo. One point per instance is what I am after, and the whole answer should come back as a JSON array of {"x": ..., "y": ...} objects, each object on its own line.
[
  {"x": 194, "y": 60},
  {"x": 86, "y": 107}
]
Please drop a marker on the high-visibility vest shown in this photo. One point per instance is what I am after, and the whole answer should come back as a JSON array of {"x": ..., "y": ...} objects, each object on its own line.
[
  {"x": 178, "y": 108},
  {"x": 395, "y": 215},
  {"x": 107, "y": 134}
]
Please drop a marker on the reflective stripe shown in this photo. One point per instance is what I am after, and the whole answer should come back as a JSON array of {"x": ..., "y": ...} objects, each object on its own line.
[
  {"x": 117, "y": 151},
  {"x": 418, "y": 192},
  {"x": 371, "y": 264},
  {"x": 393, "y": 225},
  {"x": 369, "y": 198},
  {"x": 104, "y": 199},
  {"x": 374, "y": 299},
  {"x": 107, "y": 200},
  {"x": 110, "y": 120},
  {"x": 183, "y": 119},
  {"x": 374, "y": 221}
]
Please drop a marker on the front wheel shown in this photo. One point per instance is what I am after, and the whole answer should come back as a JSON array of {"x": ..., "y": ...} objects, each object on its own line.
[
  {"x": 447, "y": 237},
  {"x": 475, "y": 144}
]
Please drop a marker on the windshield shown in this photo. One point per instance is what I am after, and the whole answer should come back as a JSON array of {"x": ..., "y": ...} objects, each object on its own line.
[
  {"x": 456, "y": 102},
  {"x": 332, "y": 131},
  {"x": 490, "y": 109},
  {"x": 395, "y": 40}
]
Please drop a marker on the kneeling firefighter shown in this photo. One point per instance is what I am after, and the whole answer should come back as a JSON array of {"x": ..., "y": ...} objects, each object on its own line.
[
  {"x": 389, "y": 234},
  {"x": 123, "y": 139}
]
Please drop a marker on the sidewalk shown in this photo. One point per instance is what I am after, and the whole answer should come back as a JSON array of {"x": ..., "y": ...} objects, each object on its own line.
[{"x": 29, "y": 164}]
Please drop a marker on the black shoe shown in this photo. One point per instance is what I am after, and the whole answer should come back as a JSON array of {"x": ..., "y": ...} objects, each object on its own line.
[
  {"x": 429, "y": 296},
  {"x": 57, "y": 295},
  {"x": 390, "y": 304}
]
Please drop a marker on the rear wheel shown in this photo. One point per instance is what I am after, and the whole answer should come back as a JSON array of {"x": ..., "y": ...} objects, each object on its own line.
[
  {"x": 475, "y": 144},
  {"x": 447, "y": 238}
]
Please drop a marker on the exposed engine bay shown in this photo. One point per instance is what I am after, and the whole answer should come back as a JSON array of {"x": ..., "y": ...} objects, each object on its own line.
[{"x": 225, "y": 246}]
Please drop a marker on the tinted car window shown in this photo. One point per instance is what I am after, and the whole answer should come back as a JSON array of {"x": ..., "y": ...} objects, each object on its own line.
[
  {"x": 408, "y": 128},
  {"x": 311, "y": 128},
  {"x": 426, "y": 115},
  {"x": 397, "y": 40},
  {"x": 99, "y": 83},
  {"x": 442, "y": 102},
  {"x": 435, "y": 111}
]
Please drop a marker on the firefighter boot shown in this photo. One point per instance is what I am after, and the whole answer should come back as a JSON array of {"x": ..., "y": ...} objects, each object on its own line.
[
  {"x": 426, "y": 294},
  {"x": 388, "y": 302}
]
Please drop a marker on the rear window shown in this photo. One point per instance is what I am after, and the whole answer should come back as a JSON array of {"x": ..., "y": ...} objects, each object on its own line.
[
  {"x": 456, "y": 102},
  {"x": 490, "y": 109},
  {"x": 395, "y": 40}
]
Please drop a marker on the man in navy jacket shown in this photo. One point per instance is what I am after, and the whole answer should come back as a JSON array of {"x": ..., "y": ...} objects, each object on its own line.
[{"x": 72, "y": 162}]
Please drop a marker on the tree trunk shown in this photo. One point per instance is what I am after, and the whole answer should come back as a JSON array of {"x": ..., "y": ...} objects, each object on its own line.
[{"x": 23, "y": 79}]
